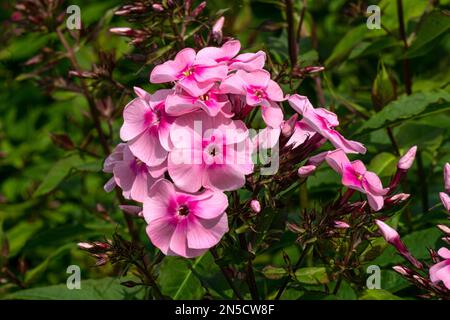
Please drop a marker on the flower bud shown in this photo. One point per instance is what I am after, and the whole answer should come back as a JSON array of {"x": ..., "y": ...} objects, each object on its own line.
[
  {"x": 446, "y": 240},
  {"x": 288, "y": 126},
  {"x": 393, "y": 238},
  {"x": 122, "y": 31},
  {"x": 85, "y": 245},
  {"x": 341, "y": 225},
  {"x": 217, "y": 29},
  {"x": 445, "y": 199},
  {"x": 198, "y": 10},
  {"x": 407, "y": 159},
  {"x": 445, "y": 229},
  {"x": 157, "y": 7},
  {"x": 447, "y": 177},
  {"x": 312, "y": 69},
  {"x": 306, "y": 171},
  {"x": 256, "y": 206},
  {"x": 402, "y": 270},
  {"x": 397, "y": 198}
]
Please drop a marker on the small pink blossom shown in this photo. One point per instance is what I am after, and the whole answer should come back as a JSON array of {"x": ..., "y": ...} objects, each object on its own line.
[
  {"x": 323, "y": 122},
  {"x": 184, "y": 224},
  {"x": 132, "y": 175},
  {"x": 192, "y": 74},
  {"x": 210, "y": 152},
  {"x": 146, "y": 126},
  {"x": 255, "y": 205},
  {"x": 306, "y": 171},
  {"x": 212, "y": 101},
  {"x": 217, "y": 29},
  {"x": 302, "y": 132},
  {"x": 445, "y": 199},
  {"x": 441, "y": 270},
  {"x": 258, "y": 89},
  {"x": 228, "y": 55},
  {"x": 406, "y": 161},
  {"x": 341, "y": 225},
  {"x": 355, "y": 176}
]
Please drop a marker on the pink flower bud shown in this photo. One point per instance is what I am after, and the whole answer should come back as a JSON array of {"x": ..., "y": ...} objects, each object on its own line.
[
  {"x": 393, "y": 238},
  {"x": 288, "y": 126},
  {"x": 401, "y": 270},
  {"x": 397, "y": 198},
  {"x": 389, "y": 234},
  {"x": 306, "y": 171},
  {"x": 447, "y": 177},
  {"x": 256, "y": 206},
  {"x": 407, "y": 160},
  {"x": 157, "y": 7},
  {"x": 217, "y": 27},
  {"x": 313, "y": 69},
  {"x": 85, "y": 245},
  {"x": 341, "y": 225},
  {"x": 444, "y": 229},
  {"x": 198, "y": 10},
  {"x": 445, "y": 199},
  {"x": 446, "y": 240},
  {"x": 122, "y": 31}
]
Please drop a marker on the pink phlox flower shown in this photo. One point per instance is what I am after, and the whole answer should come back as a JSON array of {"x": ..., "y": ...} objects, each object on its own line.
[
  {"x": 146, "y": 126},
  {"x": 132, "y": 175},
  {"x": 184, "y": 224},
  {"x": 323, "y": 122},
  {"x": 258, "y": 89},
  {"x": 355, "y": 176},
  {"x": 194, "y": 75},
  {"x": 213, "y": 152}
]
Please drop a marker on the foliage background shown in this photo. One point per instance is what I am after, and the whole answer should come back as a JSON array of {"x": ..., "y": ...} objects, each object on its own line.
[{"x": 51, "y": 198}]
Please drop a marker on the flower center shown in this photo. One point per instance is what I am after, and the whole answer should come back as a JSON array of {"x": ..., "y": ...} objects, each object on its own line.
[
  {"x": 183, "y": 210},
  {"x": 152, "y": 117},
  {"x": 204, "y": 97},
  {"x": 189, "y": 71}
]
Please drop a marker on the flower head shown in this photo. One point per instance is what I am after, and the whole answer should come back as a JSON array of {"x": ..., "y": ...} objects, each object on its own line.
[
  {"x": 184, "y": 224},
  {"x": 210, "y": 152},
  {"x": 323, "y": 122},
  {"x": 132, "y": 175},
  {"x": 146, "y": 126},
  {"x": 258, "y": 89},
  {"x": 355, "y": 176}
]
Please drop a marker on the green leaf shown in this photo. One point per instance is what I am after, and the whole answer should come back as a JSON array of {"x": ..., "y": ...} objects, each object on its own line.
[
  {"x": 33, "y": 274},
  {"x": 402, "y": 109},
  {"x": 312, "y": 275},
  {"x": 347, "y": 43},
  {"x": 378, "y": 294},
  {"x": 62, "y": 168},
  {"x": 177, "y": 279},
  {"x": 433, "y": 25},
  {"x": 383, "y": 164},
  {"x": 20, "y": 233},
  {"x": 101, "y": 289},
  {"x": 274, "y": 273}
]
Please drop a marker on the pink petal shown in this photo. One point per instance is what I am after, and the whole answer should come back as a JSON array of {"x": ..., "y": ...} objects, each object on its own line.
[
  {"x": 337, "y": 160},
  {"x": 148, "y": 148},
  {"x": 134, "y": 119},
  {"x": 348, "y": 146},
  {"x": 141, "y": 93},
  {"x": 185, "y": 58},
  {"x": 274, "y": 91},
  {"x": 110, "y": 185},
  {"x": 124, "y": 177},
  {"x": 231, "y": 48},
  {"x": 211, "y": 207},
  {"x": 178, "y": 104},
  {"x": 233, "y": 84},
  {"x": 186, "y": 176},
  {"x": 193, "y": 87},
  {"x": 141, "y": 186},
  {"x": 159, "y": 198},
  {"x": 204, "y": 234},
  {"x": 300, "y": 103},
  {"x": 160, "y": 232},
  {"x": 249, "y": 61},
  {"x": 257, "y": 78},
  {"x": 164, "y": 133},
  {"x": 272, "y": 115},
  {"x": 372, "y": 184},
  {"x": 211, "y": 73},
  {"x": 224, "y": 177},
  {"x": 445, "y": 199},
  {"x": 375, "y": 202}
]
